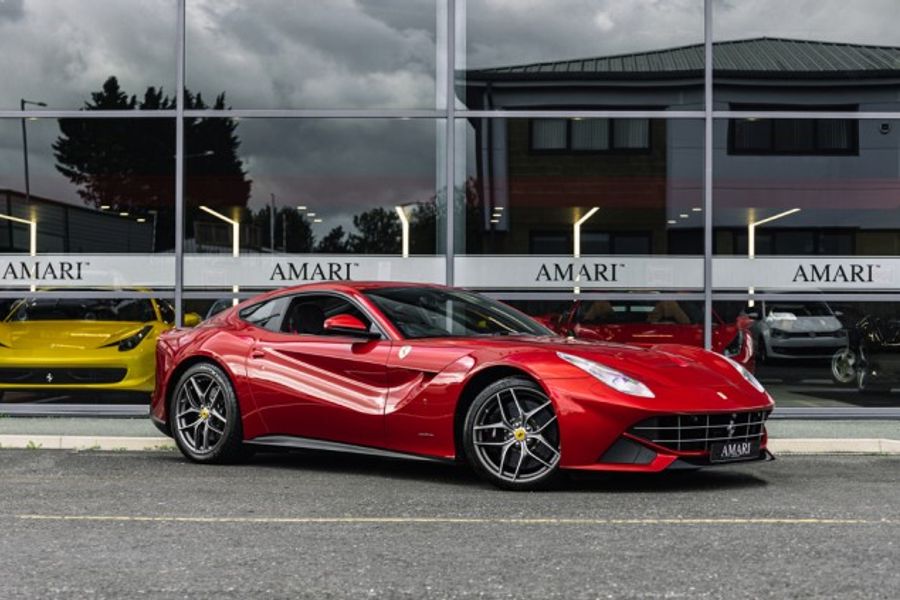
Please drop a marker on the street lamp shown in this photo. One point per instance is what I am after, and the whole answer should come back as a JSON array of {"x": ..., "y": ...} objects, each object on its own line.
[
  {"x": 404, "y": 225},
  {"x": 235, "y": 239},
  {"x": 751, "y": 238},
  {"x": 576, "y": 240},
  {"x": 32, "y": 233},
  {"x": 576, "y": 231},
  {"x": 22, "y": 103}
]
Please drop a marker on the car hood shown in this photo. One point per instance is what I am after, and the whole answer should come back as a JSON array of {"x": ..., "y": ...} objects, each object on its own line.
[
  {"x": 805, "y": 324},
  {"x": 663, "y": 365},
  {"x": 65, "y": 335}
]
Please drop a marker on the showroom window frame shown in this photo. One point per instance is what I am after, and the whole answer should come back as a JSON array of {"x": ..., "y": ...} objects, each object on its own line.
[{"x": 451, "y": 15}]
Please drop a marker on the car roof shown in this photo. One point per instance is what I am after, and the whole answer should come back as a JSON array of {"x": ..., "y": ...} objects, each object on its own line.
[
  {"x": 346, "y": 287},
  {"x": 359, "y": 286}
]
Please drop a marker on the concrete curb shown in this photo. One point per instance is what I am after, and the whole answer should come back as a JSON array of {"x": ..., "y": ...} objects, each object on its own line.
[
  {"x": 85, "y": 442},
  {"x": 834, "y": 446},
  {"x": 88, "y": 442}
]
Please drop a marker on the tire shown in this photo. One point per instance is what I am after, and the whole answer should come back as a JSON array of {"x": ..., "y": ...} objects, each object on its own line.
[
  {"x": 205, "y": 417},
  {"x": 868, "y": 388},
  {"x": 761, "y": 356},
  {"x": 844, "y": 367},
  {"x": 511, "y": 435}
]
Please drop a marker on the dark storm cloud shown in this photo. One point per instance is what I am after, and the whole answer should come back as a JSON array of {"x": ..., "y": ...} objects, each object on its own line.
[
  {"x": 11, "y": 10},
  {"x": 309, "y": 54},
  {"x": 345, "y": 54}
]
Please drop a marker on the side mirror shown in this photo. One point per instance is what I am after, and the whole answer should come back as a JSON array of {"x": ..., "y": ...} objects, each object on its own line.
[
  {"x": 348, "y": 325},
  {"x": 192, "y": 319}
]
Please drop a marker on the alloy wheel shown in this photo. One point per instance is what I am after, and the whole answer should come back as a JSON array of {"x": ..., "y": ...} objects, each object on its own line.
[
  {"x": 202, "y": 413},
  {"x": 516, "y": 436}
]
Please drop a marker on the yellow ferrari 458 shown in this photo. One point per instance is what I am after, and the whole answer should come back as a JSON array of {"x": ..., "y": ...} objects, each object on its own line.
[{"x": 53, "y": 344}]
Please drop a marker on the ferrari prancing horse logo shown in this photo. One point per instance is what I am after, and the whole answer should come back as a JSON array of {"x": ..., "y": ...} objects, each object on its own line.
[
  {"x": 404, "y": 351},
  {"x": 49, "y": 378}
]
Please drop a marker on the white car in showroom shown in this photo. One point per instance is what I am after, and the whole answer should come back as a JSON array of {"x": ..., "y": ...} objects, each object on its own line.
[{"x": 786, "y": 331}]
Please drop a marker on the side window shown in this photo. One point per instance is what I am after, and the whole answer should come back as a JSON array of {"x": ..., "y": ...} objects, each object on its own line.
[
  {"x": 307, "y": 313},
  {"x": 268, "y": 315}
]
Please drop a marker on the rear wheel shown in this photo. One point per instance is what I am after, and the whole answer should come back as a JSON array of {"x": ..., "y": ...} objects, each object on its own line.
[
  {"x": 205, "y": 417},
  {"x": 511, "y": 435}
]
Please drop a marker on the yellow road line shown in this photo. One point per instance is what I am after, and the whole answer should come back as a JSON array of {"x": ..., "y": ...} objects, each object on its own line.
[{"x": 462, "y": 520}]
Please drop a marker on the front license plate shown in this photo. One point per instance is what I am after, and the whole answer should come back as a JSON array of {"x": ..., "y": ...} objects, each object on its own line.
[{"x": 729, "y": 451}]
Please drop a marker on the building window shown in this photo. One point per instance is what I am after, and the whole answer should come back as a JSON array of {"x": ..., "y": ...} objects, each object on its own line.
[
  {"x": 590, "y": 135},
  {"x": 543, "y": 243},
  {"x": 803, "y": 137}
]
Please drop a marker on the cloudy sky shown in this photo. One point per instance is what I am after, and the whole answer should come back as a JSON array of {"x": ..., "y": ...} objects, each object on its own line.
[{"x": 347, "y": 54}]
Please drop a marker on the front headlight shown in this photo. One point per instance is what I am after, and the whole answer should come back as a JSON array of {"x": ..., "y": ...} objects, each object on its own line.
[
  {"x": 615, "y": 379},
  {"x": 132, "y": 341},
  {"x": 747, "y": 375}
]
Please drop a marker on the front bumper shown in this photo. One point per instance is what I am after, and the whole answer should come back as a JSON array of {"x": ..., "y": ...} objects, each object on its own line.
[
  {"x": 102, "y": 369},
  {"x": 599, "y": 432},
  {"x": 799, "y": 348}
]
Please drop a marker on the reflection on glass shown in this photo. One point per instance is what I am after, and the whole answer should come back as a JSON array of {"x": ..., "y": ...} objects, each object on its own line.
[
  {"x": 91, "y": 186},
  {"x": 55, "y": 53},
  {"x": 824, "y": 352},
  {"x": 313, "y": 54},
  {"x": 789, "y": 55},
  {"x": 581, "y": 186},
  {"x": 603, "y": 55},
  {"x": 313, "y": 186},
  {"x": 647, "y": 323},
  {"x": 807, "y": 203}
]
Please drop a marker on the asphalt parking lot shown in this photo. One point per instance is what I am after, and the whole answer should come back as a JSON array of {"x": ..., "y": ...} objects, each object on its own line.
[{"x": 115, "y": 524}]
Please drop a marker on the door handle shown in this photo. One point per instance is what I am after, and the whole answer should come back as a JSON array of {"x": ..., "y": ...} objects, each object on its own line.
[{"x": 257, "y": 354}]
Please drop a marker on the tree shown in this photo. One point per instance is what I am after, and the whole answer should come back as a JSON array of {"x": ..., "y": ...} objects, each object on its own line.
[
  {"x": 379, "y": 230},
  {"x": 334, "y": 242},
  {"x": 292, "y": 230},
  {"x": 129, "y": 164}
]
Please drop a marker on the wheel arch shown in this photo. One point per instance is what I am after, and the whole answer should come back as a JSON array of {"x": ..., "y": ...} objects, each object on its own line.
[
  {"x": 180, "y": 369},
  {"x": 476, "y": 383}
]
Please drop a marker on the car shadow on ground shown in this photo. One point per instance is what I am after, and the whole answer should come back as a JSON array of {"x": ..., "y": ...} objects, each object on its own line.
[{"x": 448, "y": 473}]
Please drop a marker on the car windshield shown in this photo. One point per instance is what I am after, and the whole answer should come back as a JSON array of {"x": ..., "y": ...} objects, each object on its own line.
[
  {"x": 602, "y": 312},
  {"x": 72, "y": 309},
  {"x": 434, "y": 312},
  {"x": 816, "y": 309}
]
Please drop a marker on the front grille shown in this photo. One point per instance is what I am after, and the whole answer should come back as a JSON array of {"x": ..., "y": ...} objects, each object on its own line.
[
  {"x": 61, "y": 376},
  {"x": 825, "y": 351},
  {"x": 694, "y": 433},
  {"x": 809, "y": 335}
]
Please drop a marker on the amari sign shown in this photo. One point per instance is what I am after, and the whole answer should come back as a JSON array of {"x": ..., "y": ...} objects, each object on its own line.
[
  {"x": 262, "y": 271},
  {"x": 590, "y": 272},
  {"x": 616, "y": 273},
  {"x": 37, "y": 270},
  {"x": 806, "y": 274}
]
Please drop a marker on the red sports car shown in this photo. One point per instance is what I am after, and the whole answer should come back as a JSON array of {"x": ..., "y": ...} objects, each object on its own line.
[
  {"x": 647, "y": 323},
  {"x": 410, "y": 370}
]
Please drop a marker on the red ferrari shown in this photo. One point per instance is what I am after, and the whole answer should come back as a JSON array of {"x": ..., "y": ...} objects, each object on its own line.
[{"x": 418, "y": 371}]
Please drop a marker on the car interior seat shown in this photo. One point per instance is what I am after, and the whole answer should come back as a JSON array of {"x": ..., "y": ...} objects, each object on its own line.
[{"x": 306, "y": 317}]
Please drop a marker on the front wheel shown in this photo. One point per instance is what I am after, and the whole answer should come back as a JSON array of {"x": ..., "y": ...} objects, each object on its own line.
[
  {"x": 844, "y": 366},
  {"x": 511, "y": 435},
  {"x": 205, "y": 417}
]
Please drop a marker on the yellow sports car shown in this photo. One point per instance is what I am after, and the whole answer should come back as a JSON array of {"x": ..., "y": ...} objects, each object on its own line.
[{"x": 83, "y": 344}]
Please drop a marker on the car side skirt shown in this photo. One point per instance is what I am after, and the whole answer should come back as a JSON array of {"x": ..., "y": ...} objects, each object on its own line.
[{"x": 289, "y": 441}]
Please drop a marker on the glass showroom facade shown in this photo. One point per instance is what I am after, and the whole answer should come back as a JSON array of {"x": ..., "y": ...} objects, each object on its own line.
[{"x": 704, "y": 172}]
